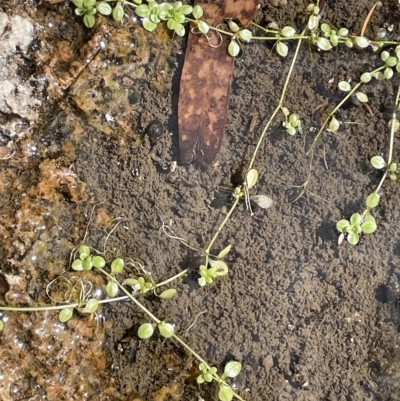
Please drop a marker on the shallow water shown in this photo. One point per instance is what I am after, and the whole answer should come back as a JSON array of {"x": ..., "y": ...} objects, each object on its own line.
[{"x": 307, "y": 318}]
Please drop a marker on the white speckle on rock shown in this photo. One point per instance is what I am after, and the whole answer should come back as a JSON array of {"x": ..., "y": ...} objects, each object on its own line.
[{"x": 17, "y": 95}]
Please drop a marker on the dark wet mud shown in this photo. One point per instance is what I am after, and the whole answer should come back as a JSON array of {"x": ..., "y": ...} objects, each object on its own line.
[{"x": 308, "y": 319}]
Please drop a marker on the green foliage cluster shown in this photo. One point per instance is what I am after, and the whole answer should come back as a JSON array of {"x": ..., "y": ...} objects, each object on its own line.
[
  {"x": 355, "y": 226},
  {"x": 82, "y": 300},
  {"x": 208, "y": 374},
  {"x": 174, "y": 14}
]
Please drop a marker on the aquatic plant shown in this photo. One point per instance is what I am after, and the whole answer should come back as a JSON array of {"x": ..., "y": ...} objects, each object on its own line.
[
  {"x": 324, "y": 38},
  {"x": 79, "y": 297}
]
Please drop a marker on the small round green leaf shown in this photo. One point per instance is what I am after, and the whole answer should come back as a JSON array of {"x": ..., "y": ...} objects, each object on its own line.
[
  {"x": 373, "y": 200},
  {"x": 84, "y": 251},
  {"x": 89, "y": 3},
  {"x": 362, "y": 97},
  {"x": 233, "y": 48},
  {"x": 168, "y": 293},
  {"x": 344, "y": 86},
  {"x": 225, "y": 393},
  {"x": 334, "y": 39},
  {"x": 325, "y": 28},
  {"x": 166, "y": 329},
  {"x": 185, "y": 9},
  {"x": 80, "y": 11},
  {"x": 171, "y": 24},
  {"x": 366, "y": 77},
  {"x": 177, "y": 5},
  {"x": 103, "y": 8},
  {"x": 143, "y": 10},
  {"x": 165, "y": 11},
  {"x": 208, "y": 377},
  {"x": 334, "y": 124},
  {"x": 287, "y": 32},
  {"x": 148, "y": 25},
  {"x": 353, "y": 238},
  {"x": 89, "y": 20},
  {"x": 112, "y": 289},
  {"x": 245, "y": 35},
  {"x": 349, "y": 43},
  {"x": 282, "y": 49},
  {"x": 233, "y": 26},
  {"x": 117, "y": 265},
  {"x": 65, "y": 314},
  {"x": 391, "y": 61},
  {"x": 146, "y": 330},
  {"x": 197, "y": 12},
  {"x": 378, "y": 162},
  {"x": 313, "y": 22},
  {"x": 324, "y": 44},
  {"x": 98, "y": 261},
  {"x": 388, "y": 73},
  {"x": 361, "y": 41},
  {"x": 77, "y": 265},
  {"x": 294, "y": 120},
  {"x": 232, "y": 369},
  {"x": 369, "y": 226},
  {"x": 251, "y": 178},
  {"x": 87, "y": 263},
  {"x": 291, "y": 131},
  {"x": 179, "y": 17},
  {"x": 91, "y": 306},
  {"x": 180, "y": 30},
  {"x": 341, "y": 225},
  {"x": 118, "y": 12},
  {"x": 343, "y": 32},
  {"x": 385, "y": 55},
  {"x": 203, "y": 27},
  {"x": 355, "y": 219}
]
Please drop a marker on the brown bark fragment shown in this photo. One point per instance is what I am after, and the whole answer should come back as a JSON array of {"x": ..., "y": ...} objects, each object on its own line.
[{"x": 205, "y": 83}]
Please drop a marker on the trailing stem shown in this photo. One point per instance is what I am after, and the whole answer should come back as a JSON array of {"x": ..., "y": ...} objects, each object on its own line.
[
  {"x": 174, "y": 336},
  {"x": 332, "y": 113}
]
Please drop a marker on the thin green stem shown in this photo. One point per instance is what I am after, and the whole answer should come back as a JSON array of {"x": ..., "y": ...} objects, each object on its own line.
[
  {"x": 158, "y": 321},
  {"x": 131, "y": 4},
  {"x": 227, "y": 217},
  {"x": 391, "y": 145},
  {"x": 392, "y": 128},
  {"x": 183, "y": 272},
  {"x": 187, "y": 19},
  {"x": 129, "y": 295},
  {"x": 266, "y": 30},
  {"x": 280, "y": 38},
  {"x": 278, "y": 107},
  {"x": 200, "y": 359},
  {"x": 331, "y": 114}
]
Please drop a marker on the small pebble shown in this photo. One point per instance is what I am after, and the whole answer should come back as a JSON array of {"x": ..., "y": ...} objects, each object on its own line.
[{"x": 154, "y": 130}]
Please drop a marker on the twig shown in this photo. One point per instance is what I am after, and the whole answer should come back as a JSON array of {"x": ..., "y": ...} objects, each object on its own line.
[{"x": 364, "y": 27}]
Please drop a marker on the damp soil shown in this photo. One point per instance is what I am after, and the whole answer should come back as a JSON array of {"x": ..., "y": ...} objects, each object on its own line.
[{"x": 309, "y": 319}]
